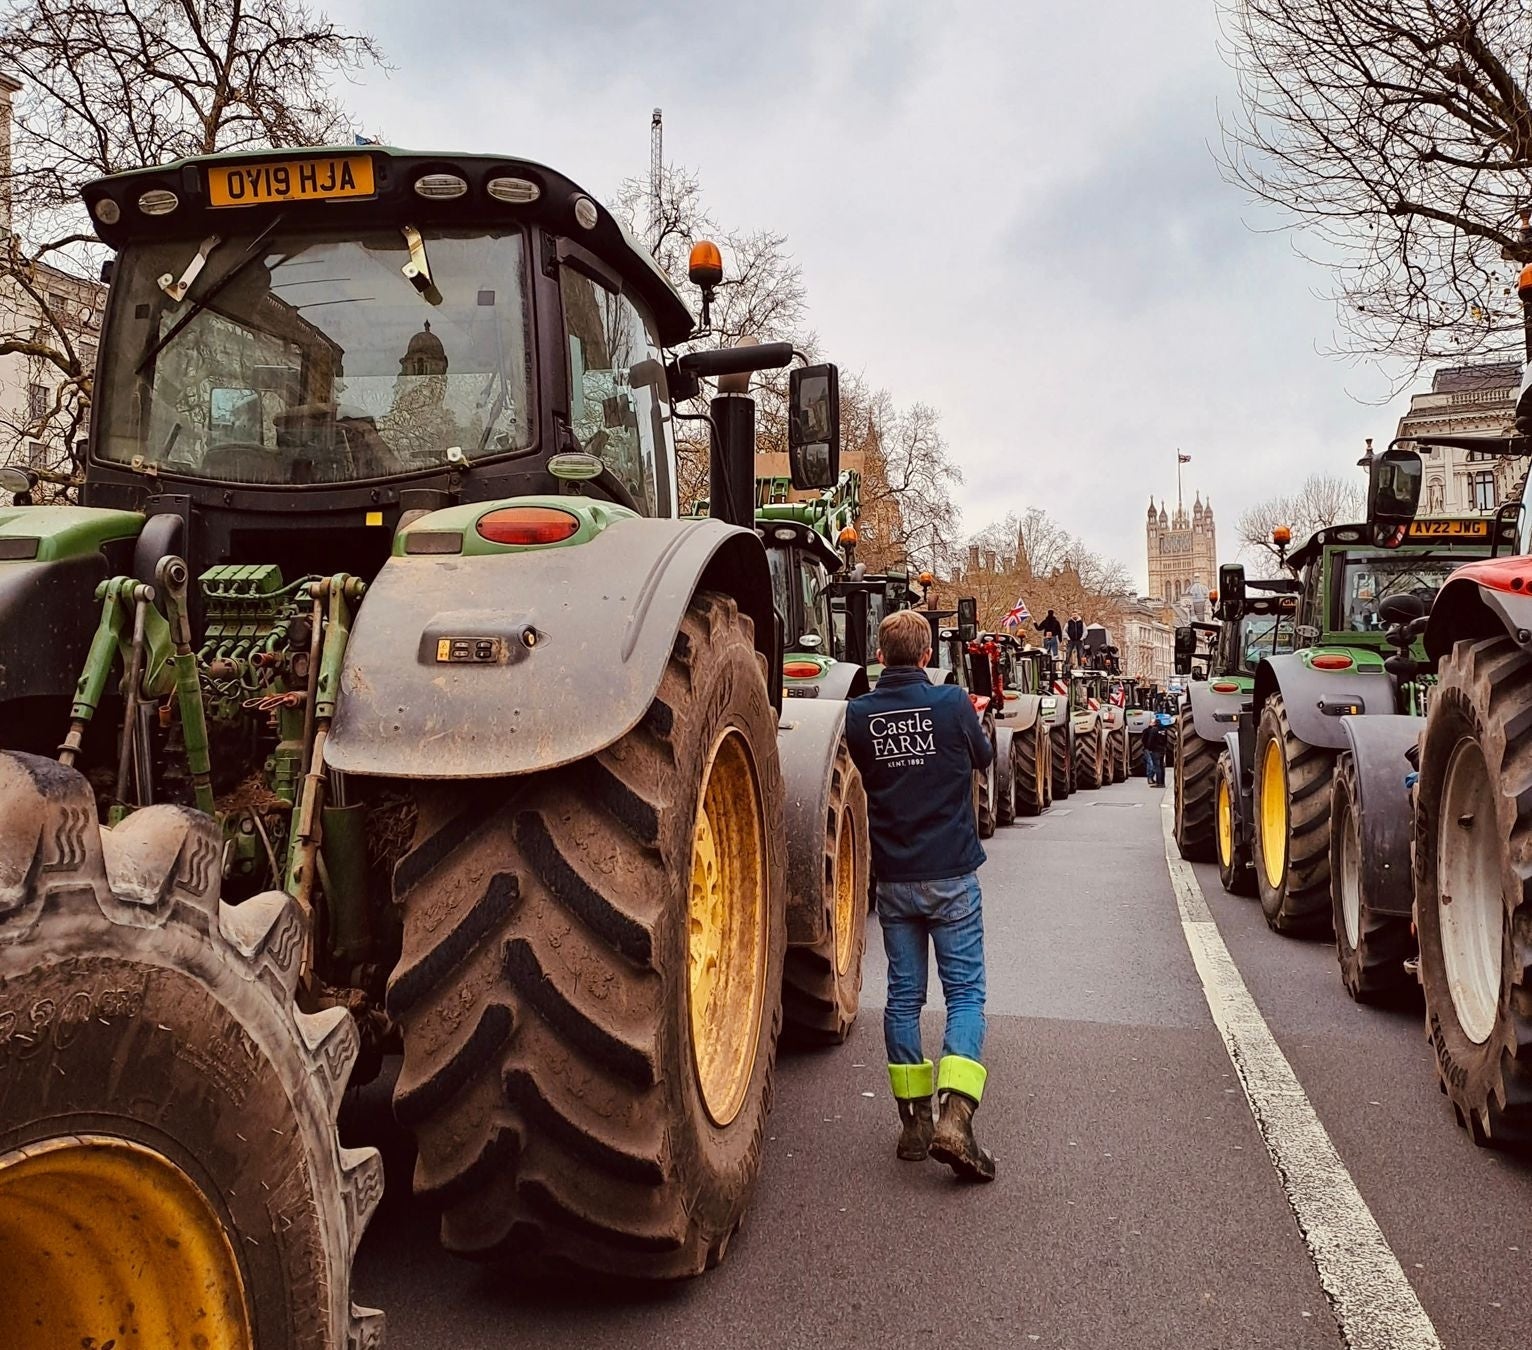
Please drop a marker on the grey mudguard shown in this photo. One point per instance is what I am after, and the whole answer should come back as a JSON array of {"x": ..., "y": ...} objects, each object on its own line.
[
  {"x": 1206, "y": 705},
  {"x": 1303, "y": 690},
  {"x": 1242, "y": 827},
  {"x": 1021, "y": 710},
  {"x": 602, "y": 618},
  {"x": 807, "y": 739},
  {"x": 843, "y": 680},
  {"x": 1378, "y": 745}
]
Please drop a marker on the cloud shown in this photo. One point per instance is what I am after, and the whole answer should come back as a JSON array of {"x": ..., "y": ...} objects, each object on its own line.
[{"x": 1006, "y": 210}]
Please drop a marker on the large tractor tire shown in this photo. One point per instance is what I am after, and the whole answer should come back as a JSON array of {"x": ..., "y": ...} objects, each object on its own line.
[
  {"x": 1061, "y": 758},
  {"x": 1233, "y": 856},
  {"x": 170, "y": 1170},
  {"x": 1120, "y": 756},
  {"x": 1005, "y": 776},
  {"x": 1195, "y": 763},
  {"x": 1291, "y": 808},
  {"x": 1372, "y": 947},
  {"x": 1135, "y": 755},
  {"x": 1090, "y": 760},
  {"x": 1032, "y": 773},
  {"x": 822, "y": 983},
  {"x": 987, "y": 787},
  {"x": 590, "y": 982},
  {"x": 1473, "y": 895}
]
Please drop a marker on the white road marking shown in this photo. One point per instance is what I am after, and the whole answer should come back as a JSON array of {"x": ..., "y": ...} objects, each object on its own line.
[{"x": 1374, "y": 1304}]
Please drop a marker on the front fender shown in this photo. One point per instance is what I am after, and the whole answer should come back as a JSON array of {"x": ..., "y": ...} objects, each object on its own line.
[
  {"x": 602, "y": 618},
  {"x": 1303, "y": 690},
  {"x": 1378, "y": 746},
  {"x": 1022, "y": 710},
  {"x": 807, "y": 740},
  {"x": 1206, "y": 705},
  {"x": 842, "y": 680},
  {"x": 1478, "y": 602}
]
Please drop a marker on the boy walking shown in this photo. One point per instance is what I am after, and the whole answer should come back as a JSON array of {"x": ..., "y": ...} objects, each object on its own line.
[{"x": 917, "y": 746}]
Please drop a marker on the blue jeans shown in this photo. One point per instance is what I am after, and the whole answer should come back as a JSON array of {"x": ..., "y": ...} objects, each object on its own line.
[
  {"x": 1154, "y": 771},
  {"x": 1076, "y": 652},
  {"x": 1051, "y": 645},
  {"x": 915, "y": 916}
]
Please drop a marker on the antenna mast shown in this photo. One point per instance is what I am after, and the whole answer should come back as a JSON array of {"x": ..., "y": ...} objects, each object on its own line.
[{"x": 656, "y": 170}]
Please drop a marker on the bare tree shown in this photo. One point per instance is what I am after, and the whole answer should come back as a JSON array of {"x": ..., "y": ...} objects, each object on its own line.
[
  {"x": 1398, "y": 135},
  {"x": 1033, "y": 558},
  {"x": 105, "y": 85},
  {"x": 1321, "y": 500},
  {"x": 762, "y": 296}
]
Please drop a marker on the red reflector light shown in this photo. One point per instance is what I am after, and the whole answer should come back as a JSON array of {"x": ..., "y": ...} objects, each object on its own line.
[
  {"x": 527, "y": 525},
  {"x": 1224, "y": 687},
  {"x": 1333, "y": 661},
  {"x": 800, "y": 670}
]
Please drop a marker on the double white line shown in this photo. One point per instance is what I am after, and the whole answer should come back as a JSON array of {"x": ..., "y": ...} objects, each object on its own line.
[{"x": 1374, "y": 1304}]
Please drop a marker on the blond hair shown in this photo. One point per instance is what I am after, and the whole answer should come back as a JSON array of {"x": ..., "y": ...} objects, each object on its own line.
[{"x": 903, "y": 637}]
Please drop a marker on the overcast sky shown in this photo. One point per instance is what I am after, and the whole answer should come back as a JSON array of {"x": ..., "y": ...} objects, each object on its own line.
[{"x": 1009, "y": 210}]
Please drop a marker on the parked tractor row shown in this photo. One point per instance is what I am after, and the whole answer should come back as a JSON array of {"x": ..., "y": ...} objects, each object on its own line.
[
  {"x": 1369, "y": 780},
  {"x": 374, "y": 700}
]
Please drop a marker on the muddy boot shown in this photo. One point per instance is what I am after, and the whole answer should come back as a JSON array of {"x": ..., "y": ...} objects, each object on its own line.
[
  {"x": 959, "y": 1088},
  {"x": 913, "y": 1085}
]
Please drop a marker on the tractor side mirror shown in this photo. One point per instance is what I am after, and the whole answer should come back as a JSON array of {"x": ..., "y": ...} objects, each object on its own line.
[
  {"x": 813, "y": 426},
  {"x": 1393, "y": 487},
  {"x": 968, "y": 619},
  {"x": 1231, "y": 590},
  {"x": 1186, "y": 648}
]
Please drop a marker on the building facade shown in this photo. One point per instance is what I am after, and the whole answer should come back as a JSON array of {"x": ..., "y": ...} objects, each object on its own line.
[
  {"x": 1147, "y": 641},
  {"x": 1465, "y": 401},
  {"x": 36, "y": 302},
  {"x": 1183, "y": 549}
]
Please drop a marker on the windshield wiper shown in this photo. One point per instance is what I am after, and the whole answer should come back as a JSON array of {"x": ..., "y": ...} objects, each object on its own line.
[{"x": 252, "y": 251}]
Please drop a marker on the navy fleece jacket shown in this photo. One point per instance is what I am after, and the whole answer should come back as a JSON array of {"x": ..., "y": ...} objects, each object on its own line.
[{"x": 917, "y": 745}]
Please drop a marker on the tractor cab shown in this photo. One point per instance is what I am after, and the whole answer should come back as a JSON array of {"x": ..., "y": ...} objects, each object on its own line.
[
  {"x": 859, "y": 602},
  {"x": 302, "y": 355}
]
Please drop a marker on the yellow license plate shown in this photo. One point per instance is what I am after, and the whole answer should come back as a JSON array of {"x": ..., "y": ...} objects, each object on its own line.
[
  {"x": 323, "y": 178},
  {"x": 1453, "y": 529}
]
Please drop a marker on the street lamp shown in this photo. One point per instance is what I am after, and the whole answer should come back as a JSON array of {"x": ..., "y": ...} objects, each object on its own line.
[{"x": 1366, "y": 460}]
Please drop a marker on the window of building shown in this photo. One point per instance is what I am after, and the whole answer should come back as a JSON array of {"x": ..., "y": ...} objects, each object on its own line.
[
  {"x": 37, "y": 402},
  {"x": 1483, "y": 485},
  {"x": 37, "y": 455}
]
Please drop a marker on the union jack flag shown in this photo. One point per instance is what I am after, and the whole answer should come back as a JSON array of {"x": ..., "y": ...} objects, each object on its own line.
[{"x": 1017, "y": 615}]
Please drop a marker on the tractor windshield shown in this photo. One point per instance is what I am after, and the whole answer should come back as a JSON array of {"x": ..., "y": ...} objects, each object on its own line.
[
  {"x": 1263, "y": 635},
  {"x": 1365, "y": 580},
  {"x": 310, "y": 357}
]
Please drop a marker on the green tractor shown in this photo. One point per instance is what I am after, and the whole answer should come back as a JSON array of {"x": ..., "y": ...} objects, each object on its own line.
[
  {"x": 1255, "y": 620},
  {"x": 1442, "y": 807},
  {"x": 375, "y": 701},
  {"x": 957, "y": 658},
  {"x": 1310, "y": 708},
  {"x": 1022, "y": 739},
  {"x": 1090, "y": 731},
  {"x": 822, "y": 977},
  {"x": 1059, "y": 722}
]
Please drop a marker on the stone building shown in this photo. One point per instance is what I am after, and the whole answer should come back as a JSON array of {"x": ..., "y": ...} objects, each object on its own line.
[
  {"x": 1146, "y": 642},
  {"x": 1183, "y": 549},
  {"x": 29, "y": 385},
  {"x": 1465, "y": 401}
]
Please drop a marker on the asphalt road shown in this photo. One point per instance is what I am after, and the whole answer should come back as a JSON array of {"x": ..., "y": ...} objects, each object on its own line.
[{"x": 1137, "y": 1205}]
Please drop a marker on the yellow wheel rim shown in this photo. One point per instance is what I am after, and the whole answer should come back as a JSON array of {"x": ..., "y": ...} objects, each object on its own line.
[
  {"x": 727, "y": 928},
  {"x": 1225, "y": 825},
  {"x": 1273, "y": 793},
  {"x": 103, "y": 1240},
  {"x": 845, "y": 891}
]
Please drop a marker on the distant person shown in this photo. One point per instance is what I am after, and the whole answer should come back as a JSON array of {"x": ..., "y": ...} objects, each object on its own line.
[
  {"x": 1074, "y": 630},
  {"x": 1052, "y": 630},
  {"x": 917, "y": 746},
  {"x": 1152, "y": 738}
]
